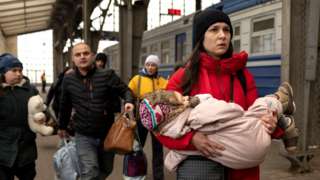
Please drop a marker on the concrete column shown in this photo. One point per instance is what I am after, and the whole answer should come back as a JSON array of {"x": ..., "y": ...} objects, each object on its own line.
[
  {"x": 133, "y": 19},
  {"x": 2, "y": 43},
  {"x": 11, "y": 45},
  {"x": 312, "y": 80},
  {"x": 300, "y": 33},
  {"x": 57, "y": 54},
  {"x": 293, "y": 50},
  {"x": 125, "y": 42},
  {"x": 140, "y": 25}
]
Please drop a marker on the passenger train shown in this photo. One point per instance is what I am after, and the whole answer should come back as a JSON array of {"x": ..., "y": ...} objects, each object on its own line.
[{"x": 257, "y": 30}]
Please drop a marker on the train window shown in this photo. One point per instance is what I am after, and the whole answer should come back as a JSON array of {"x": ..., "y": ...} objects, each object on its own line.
[
  {"x": 165, "y": 59},
  {"x": 263, "y": 36},
  {"x": 165, "y": 44},
  {"x": 165, "y": 52},
  {"x": 154, "y": 48},
  {"x": 180, "y": 53}
]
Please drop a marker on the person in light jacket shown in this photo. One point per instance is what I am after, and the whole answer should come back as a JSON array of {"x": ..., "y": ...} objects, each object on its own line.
[{"x": 148, "y": 80}]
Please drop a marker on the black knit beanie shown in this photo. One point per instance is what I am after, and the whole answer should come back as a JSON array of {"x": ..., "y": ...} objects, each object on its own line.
[{"x": 204, "y": 19}]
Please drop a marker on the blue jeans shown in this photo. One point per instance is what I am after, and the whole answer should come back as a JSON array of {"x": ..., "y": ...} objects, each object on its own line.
[{"x": 95, "y": 163}]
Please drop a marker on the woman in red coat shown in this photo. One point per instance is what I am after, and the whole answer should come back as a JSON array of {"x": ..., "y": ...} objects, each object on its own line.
[{"x": 213, "y": 68}]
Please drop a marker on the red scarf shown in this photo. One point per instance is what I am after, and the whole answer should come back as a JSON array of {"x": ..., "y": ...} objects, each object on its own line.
[{"x": 209, "y": 65}]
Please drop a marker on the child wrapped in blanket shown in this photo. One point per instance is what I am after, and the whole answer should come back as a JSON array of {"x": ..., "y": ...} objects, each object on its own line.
[{"x": 241, "y": 132}]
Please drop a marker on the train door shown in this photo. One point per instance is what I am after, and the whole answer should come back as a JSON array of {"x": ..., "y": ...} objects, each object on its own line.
[{"x": 180, "y": 51}]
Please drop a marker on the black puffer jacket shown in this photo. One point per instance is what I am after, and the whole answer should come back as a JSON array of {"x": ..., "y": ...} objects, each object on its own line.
[
  {"x": 17, "y": 141},
  {"x": 90, "y": 96}
]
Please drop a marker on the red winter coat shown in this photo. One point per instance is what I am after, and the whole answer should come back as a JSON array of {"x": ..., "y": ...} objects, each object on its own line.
[{"x": 214, "y": 78}]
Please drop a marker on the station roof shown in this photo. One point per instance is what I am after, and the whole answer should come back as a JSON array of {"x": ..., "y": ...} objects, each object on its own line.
[{"x": 24, "y": 16}]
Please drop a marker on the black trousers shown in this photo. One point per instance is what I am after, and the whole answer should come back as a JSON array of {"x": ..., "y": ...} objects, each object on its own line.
[
  {"x": 27, "y": 172},
  {"x": 157, "y": 152}
]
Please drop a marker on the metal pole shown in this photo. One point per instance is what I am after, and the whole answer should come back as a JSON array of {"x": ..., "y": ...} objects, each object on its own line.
[
  {"x": 184, "y": 7},
  {"x": 171, "y": 8},
  {"x": 159, "y": 13},
  {"x": 86, "y": 21}
]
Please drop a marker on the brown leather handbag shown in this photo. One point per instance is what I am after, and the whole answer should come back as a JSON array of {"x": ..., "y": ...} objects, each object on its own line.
[{"x": 121, "y": 135}]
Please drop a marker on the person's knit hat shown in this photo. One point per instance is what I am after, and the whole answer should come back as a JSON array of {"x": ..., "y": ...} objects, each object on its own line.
[
  {"x": 204, "y": 19},
  {"x": 152, "y": 59},
  {"x": 161, "y": 106},
  {"x": 7, "y": 62},
  {"x": 152, "y": 115}
]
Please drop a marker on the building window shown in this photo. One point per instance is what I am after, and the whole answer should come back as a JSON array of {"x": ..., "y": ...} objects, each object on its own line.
[
  {"x": 263, "y": 36},
  {"x": 236, "y": 39},
  {"x": 165, "y": 52}
]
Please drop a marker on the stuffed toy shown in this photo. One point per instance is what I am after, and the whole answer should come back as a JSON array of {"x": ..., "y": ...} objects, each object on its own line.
[{"x": 37, "y": 120}]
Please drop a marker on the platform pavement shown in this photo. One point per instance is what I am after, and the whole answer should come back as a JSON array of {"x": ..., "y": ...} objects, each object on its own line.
[{"x": 274, "y": 167}]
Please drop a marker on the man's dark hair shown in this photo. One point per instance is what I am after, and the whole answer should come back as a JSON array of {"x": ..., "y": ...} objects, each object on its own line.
[{"x": 102, "y": 57}]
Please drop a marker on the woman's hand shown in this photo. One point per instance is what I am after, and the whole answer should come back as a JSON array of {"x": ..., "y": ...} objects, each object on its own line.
[
  {"x": 270, "y": 121},
  {"x": 206, "y": 147}
]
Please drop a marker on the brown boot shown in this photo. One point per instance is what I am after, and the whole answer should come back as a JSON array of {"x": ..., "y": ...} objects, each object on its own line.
[
  {"x": 291, "y": 134},
  {"x": 285, "y": 96}
]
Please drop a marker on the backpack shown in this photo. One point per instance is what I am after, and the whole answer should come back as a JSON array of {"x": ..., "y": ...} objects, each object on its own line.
[{"x": 66, "y": 163}]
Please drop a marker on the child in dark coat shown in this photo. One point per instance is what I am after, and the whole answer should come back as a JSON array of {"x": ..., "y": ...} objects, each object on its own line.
[{"x": 18, "y": 150}]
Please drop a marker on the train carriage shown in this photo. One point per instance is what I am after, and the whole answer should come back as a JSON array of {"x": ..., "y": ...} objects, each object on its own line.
[{"x": 257, "y": 30}]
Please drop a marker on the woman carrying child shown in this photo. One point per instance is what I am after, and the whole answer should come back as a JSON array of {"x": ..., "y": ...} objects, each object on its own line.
[{"x": 212, "y": 68}]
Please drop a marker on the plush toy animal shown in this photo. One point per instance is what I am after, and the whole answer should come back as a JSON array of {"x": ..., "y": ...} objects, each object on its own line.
[{"x": 36, "y": 117}]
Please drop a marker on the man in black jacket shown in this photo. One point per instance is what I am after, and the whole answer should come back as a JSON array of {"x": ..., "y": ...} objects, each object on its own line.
[{"x": 89, "y": 91}]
